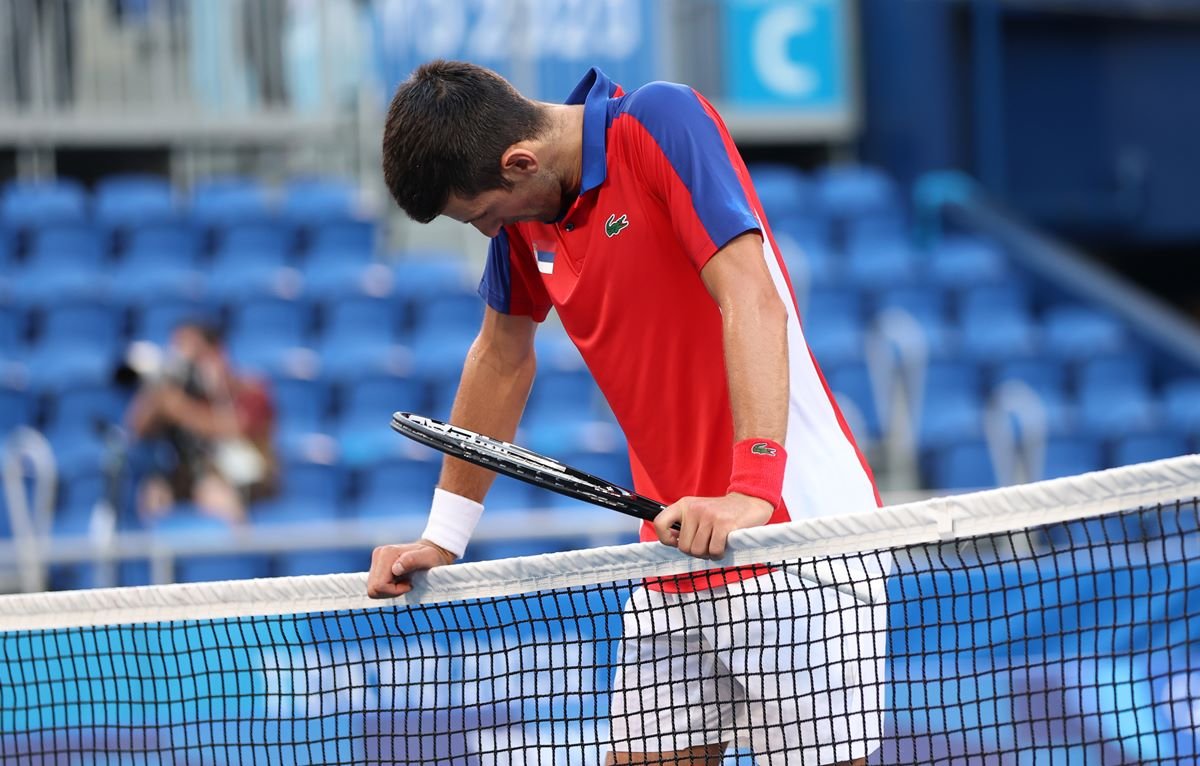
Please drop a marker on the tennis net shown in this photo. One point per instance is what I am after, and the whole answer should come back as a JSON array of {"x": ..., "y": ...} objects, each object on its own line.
[{"x": 1055, "y": 623}]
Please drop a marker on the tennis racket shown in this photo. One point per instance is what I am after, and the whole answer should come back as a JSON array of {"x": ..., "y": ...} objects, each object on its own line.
[
  {"x": 523, "y": 464},
  {"x": 541, "y": 471}
]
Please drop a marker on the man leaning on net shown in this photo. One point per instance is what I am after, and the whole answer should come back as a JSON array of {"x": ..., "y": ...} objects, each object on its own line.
[{"x": 633, "y": 216}]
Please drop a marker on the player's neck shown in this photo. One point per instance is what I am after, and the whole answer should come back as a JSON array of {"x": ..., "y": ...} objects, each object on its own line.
[{"x": 564, "y": 142}]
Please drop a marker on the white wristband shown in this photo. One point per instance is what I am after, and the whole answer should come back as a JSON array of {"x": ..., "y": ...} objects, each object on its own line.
[{"x": 452, "y": 519}]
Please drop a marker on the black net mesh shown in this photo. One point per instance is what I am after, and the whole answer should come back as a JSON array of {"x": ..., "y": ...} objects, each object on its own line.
[{"x": 1074, "y": 643}]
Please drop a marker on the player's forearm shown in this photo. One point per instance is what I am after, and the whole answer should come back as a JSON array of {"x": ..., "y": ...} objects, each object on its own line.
[
  {"x": 756, "y": 361},
  {"x": 491, "y": 396}
]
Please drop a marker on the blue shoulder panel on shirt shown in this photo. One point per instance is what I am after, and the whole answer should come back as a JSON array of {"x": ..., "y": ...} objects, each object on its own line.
[
  {"x": 496, "y": 285},
  {"x": 689, "y": 138}
]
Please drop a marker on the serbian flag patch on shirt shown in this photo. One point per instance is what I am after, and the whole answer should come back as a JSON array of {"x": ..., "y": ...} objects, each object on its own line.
[{"x": 545, "y": 256}]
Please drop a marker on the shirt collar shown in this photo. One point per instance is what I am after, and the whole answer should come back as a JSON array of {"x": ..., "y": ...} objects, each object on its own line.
[{"x": 594, "y": 92}]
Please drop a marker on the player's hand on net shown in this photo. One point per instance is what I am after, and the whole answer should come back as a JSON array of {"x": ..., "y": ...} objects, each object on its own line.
[
  {"x": 705, "y": 522},
  {"x": 392, "y": 566}
]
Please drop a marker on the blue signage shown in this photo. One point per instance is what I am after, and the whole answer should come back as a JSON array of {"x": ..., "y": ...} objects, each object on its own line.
[
  {"x": 786, "y": 55},
  {"x": 542, "y": 46}
]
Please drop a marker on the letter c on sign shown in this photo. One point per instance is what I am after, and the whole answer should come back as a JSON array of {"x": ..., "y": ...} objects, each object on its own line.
[{"x": 771, "y": 35}]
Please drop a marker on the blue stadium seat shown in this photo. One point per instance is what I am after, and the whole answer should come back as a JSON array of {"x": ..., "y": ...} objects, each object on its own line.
[
  {"x": 1045, "y": 376},
  {"x": 29, "y": 205},
  {"x": 1071, "y": 332},
  {"x": 1143, "y": 449},
  {"x": 959, "y": 262},
  {"x": 77, "y": 346},
  {"x": 353, "y": 237},
  {"x": 313, "y": 490},
  {"x": 78, "y": 448},
  {"x": 1007, "y": 297},
  {"x": 330, "y": 276},
  {"x": 1181, "y": 404},
  {"x": 783, "y": 190},
  {"x": 87, "y": 407},
  {"x": 850, "y": 192},
  {"x": 1116, "y": 410},
  {"x": 812, "y": 263},
  {"x": 160, "y": 260},
  {"x": 997, "y": 336},
  {"x": 398, "y": 487},
  {"x": 876, "y": 266},
  {"x": 301, "y": 407},
  {"x": 65, "y": 263},
  {"x": 230, "y": 200},
  {"x": 362, "y": 430},
  {"x": 952, "y": 413},
  {"x": 507, "y": 494},
  {"x": 420, "y": 273},
  {"x": 962, "y": 466},
  {"x": 612, "y": 465},
  {"x": 154, "y": 320},
  {"x": 361, "y": 338},
  {"x": 1069, "y": 456},
  {"x": 320, "y": 562},
  {"x": 562, "y": 394},
  {"x": 133, "y": 200},
  {"x": 16, "y": 409},
  {"x": 929, "y": 307},
  {"x": 12, "y": 332},
  {"x": 853, "y": 381},
  {"x": 833, "y": 325},
  {"x": 265, "y": 332},
  {"x": 311, "y": 201},
  {"x": 1129, "y": 369},
  {"x": 253, "y": 262}
]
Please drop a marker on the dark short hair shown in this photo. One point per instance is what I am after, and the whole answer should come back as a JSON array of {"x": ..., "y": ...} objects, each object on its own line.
[{"x": 447, "y": 128}]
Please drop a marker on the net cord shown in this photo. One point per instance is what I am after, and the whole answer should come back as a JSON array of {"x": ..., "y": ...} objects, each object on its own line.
[{"x": 812, "y": 541}]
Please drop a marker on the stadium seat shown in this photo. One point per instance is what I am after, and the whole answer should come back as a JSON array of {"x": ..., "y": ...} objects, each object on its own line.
[
  {"x": 29, "y": 205},
  {"x": 356, "y": 238},
  {"x": 1070, "y": 332},
  {"x": 12, "y": 332},
  {"x": 421, "y": 273},
  {"x": 928, "y": 306},
  {"x": 301, "y": 408},
  {"x": 1114, "y": 370},
  {"x": 89, "y": 407},
  {"x": 123, "y": 201},
  {"x": 997, "y": 336},
  {"x": 1181, "y": 404},
  {"x": 1069, "y": 456},
  {"x": 77, "y": 346},
  {"x": 160, "y": 260},
  {"x": 809, "y": 263},
  {"x": 508, "y": 494},
  {"x": 957, "y": 262},
  {"x": 398, "y": 486},
  {"x": 1007, "y": 297},
  {"x": 16, "y": 409},
  {"x": 962, "y": 466},
  {"x": 783, "y": 190},
  {"x": 252, "y": 262},
  {"x": 1107, "y": 411},
  {"x": 312, "y": 201},
  {"x": 562, "y": 394},
  {"x": 1045, "y": 376},
  {"x": 265, "y": 332},
  {"x": 854, "y": 382},
  {"x": 154, "y": 320},
  {"x": 879, "y": 265},
  {"x": 226, "y": 201},
  {"x": 312, "y": 490},
  {"x": 855, "y": 192},
  {"x": 319, "y": 562},
  {"x": 362, "y": 429},
  {"x": 1142, "y": 449},
  {"x": 65, "y": 262},
  {"x": 833, "y": 325},
  {"x": 952, "y": 413}
]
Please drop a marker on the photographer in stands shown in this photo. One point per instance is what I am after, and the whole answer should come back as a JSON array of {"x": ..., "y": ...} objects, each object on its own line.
[{"x": 214, "y": 428}]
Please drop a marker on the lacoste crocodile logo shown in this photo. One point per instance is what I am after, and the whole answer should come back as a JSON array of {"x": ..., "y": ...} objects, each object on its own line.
[
  {"x": 761, "y": 448},
  {"x": 613, "y": 226}
]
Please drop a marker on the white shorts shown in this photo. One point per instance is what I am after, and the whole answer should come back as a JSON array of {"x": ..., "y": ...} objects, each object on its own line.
[{"x": 791, "y": 669}]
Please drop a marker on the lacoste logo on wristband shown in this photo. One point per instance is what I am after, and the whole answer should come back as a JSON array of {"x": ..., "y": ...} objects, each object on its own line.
[{"x": 761, "y": 448}]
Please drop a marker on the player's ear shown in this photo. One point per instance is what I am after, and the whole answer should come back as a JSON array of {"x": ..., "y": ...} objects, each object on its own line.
[{"x": 518, "y": 160}]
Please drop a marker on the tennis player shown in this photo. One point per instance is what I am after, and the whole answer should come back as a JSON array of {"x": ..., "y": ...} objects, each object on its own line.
[{"x": 633, "y": 216}]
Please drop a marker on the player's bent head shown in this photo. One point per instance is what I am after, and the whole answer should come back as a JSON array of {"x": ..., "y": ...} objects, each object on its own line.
[{"x": 447, "y": 129}]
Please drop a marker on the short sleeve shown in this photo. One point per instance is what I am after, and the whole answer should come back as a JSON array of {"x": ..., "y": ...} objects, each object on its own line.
[
  {"x": 510, "y": 283},
  {"x": 690, "y": 162}
]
